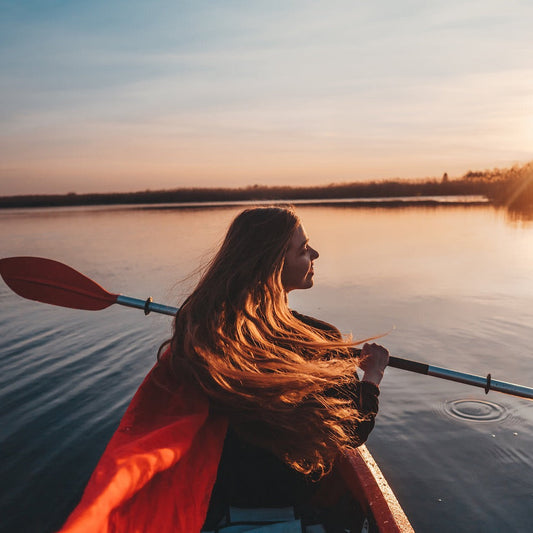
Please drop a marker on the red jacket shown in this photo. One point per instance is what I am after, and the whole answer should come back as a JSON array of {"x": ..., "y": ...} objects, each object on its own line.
[{"x": 158, "y": 470}]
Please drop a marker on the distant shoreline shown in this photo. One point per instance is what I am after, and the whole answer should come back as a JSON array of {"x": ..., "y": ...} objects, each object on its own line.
[
  {"x": 512, "y": 188},
  {"x": 444, "y": 201},
  {"x": 336, "y": 202},
  {"x": 427, "y": 193}
]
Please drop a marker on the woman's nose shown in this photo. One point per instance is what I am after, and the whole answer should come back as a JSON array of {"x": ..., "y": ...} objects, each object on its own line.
[{"x": 314, "y": 254}]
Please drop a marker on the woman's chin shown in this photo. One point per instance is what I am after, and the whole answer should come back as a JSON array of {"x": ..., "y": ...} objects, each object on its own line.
[{"x": 309, "y": 282}]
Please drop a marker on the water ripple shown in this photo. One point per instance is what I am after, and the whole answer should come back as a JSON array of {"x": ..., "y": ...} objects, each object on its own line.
[{"x": 475, "y": 410}]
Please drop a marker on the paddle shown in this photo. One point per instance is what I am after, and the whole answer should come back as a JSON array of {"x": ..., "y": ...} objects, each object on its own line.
[
  {"x": 48, "y": 281},
  {"x": 52, "y": 282}
]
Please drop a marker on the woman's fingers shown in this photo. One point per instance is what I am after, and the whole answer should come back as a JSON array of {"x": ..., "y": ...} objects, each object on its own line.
[
  {"x": 374, "y": 359},
  {"x": 374, "y": 355}
]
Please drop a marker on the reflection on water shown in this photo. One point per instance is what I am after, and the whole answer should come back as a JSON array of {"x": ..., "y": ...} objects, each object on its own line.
[
  {"x": 521, "y": 216},
  {"x": 453, "y": 287}
]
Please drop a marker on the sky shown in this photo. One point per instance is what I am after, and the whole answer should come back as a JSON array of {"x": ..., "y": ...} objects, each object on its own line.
[{"x": 131, "y": 95}]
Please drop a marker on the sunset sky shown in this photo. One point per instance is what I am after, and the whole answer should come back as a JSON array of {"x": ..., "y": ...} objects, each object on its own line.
[{"x": 127, "y": 95}]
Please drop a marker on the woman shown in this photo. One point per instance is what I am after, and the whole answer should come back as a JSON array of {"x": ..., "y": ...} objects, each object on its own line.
[
  {"x": 286, "y": 382},
  {"x": 250, "y": 404}
]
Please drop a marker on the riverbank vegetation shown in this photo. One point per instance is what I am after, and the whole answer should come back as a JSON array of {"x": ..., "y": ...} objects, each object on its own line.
[{"x": 510, "y": 187}]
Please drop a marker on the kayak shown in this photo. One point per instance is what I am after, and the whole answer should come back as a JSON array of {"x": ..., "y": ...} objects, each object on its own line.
[{"x": 368, "y": 485}]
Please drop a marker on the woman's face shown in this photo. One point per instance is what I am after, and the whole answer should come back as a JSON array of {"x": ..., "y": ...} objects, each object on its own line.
[{"x": 297, "y": 270}]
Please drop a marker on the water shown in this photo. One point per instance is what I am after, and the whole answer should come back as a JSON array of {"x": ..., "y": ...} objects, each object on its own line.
[{"x": 451, "y": 286}]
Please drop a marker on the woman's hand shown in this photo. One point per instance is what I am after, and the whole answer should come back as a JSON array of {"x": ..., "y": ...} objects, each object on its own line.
[{"x": 373, "y": 360}]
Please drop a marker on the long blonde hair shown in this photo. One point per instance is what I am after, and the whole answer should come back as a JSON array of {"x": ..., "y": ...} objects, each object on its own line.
[{"x": 271, "y": 374}]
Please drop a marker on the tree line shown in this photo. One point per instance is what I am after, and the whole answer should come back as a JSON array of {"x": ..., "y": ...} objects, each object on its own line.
[{"x": 511, "y": 187}]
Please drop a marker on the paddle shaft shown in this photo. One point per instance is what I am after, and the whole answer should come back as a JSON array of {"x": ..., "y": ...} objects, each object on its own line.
[
  {"x": 486, "y": 383},
  {"x": 146, "y": 305},
  {"x": 49, "y": 281}
]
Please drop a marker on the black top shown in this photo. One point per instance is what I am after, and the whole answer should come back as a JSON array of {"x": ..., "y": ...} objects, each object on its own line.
[{"x": 250, "y": 476}]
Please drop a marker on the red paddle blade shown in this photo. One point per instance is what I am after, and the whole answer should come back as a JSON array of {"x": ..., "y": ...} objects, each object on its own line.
[{"x": 51, "y": 282}]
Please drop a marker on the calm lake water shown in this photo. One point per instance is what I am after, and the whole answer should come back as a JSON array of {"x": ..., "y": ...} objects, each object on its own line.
[{"x": 451, "y": 286}]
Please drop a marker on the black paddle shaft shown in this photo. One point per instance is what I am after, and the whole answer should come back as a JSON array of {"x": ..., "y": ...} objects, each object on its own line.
[{"x": 406, "y": 364}]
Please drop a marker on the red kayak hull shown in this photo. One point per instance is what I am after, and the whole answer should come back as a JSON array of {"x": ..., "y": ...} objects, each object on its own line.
[{"x": 368, "y": 485}]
